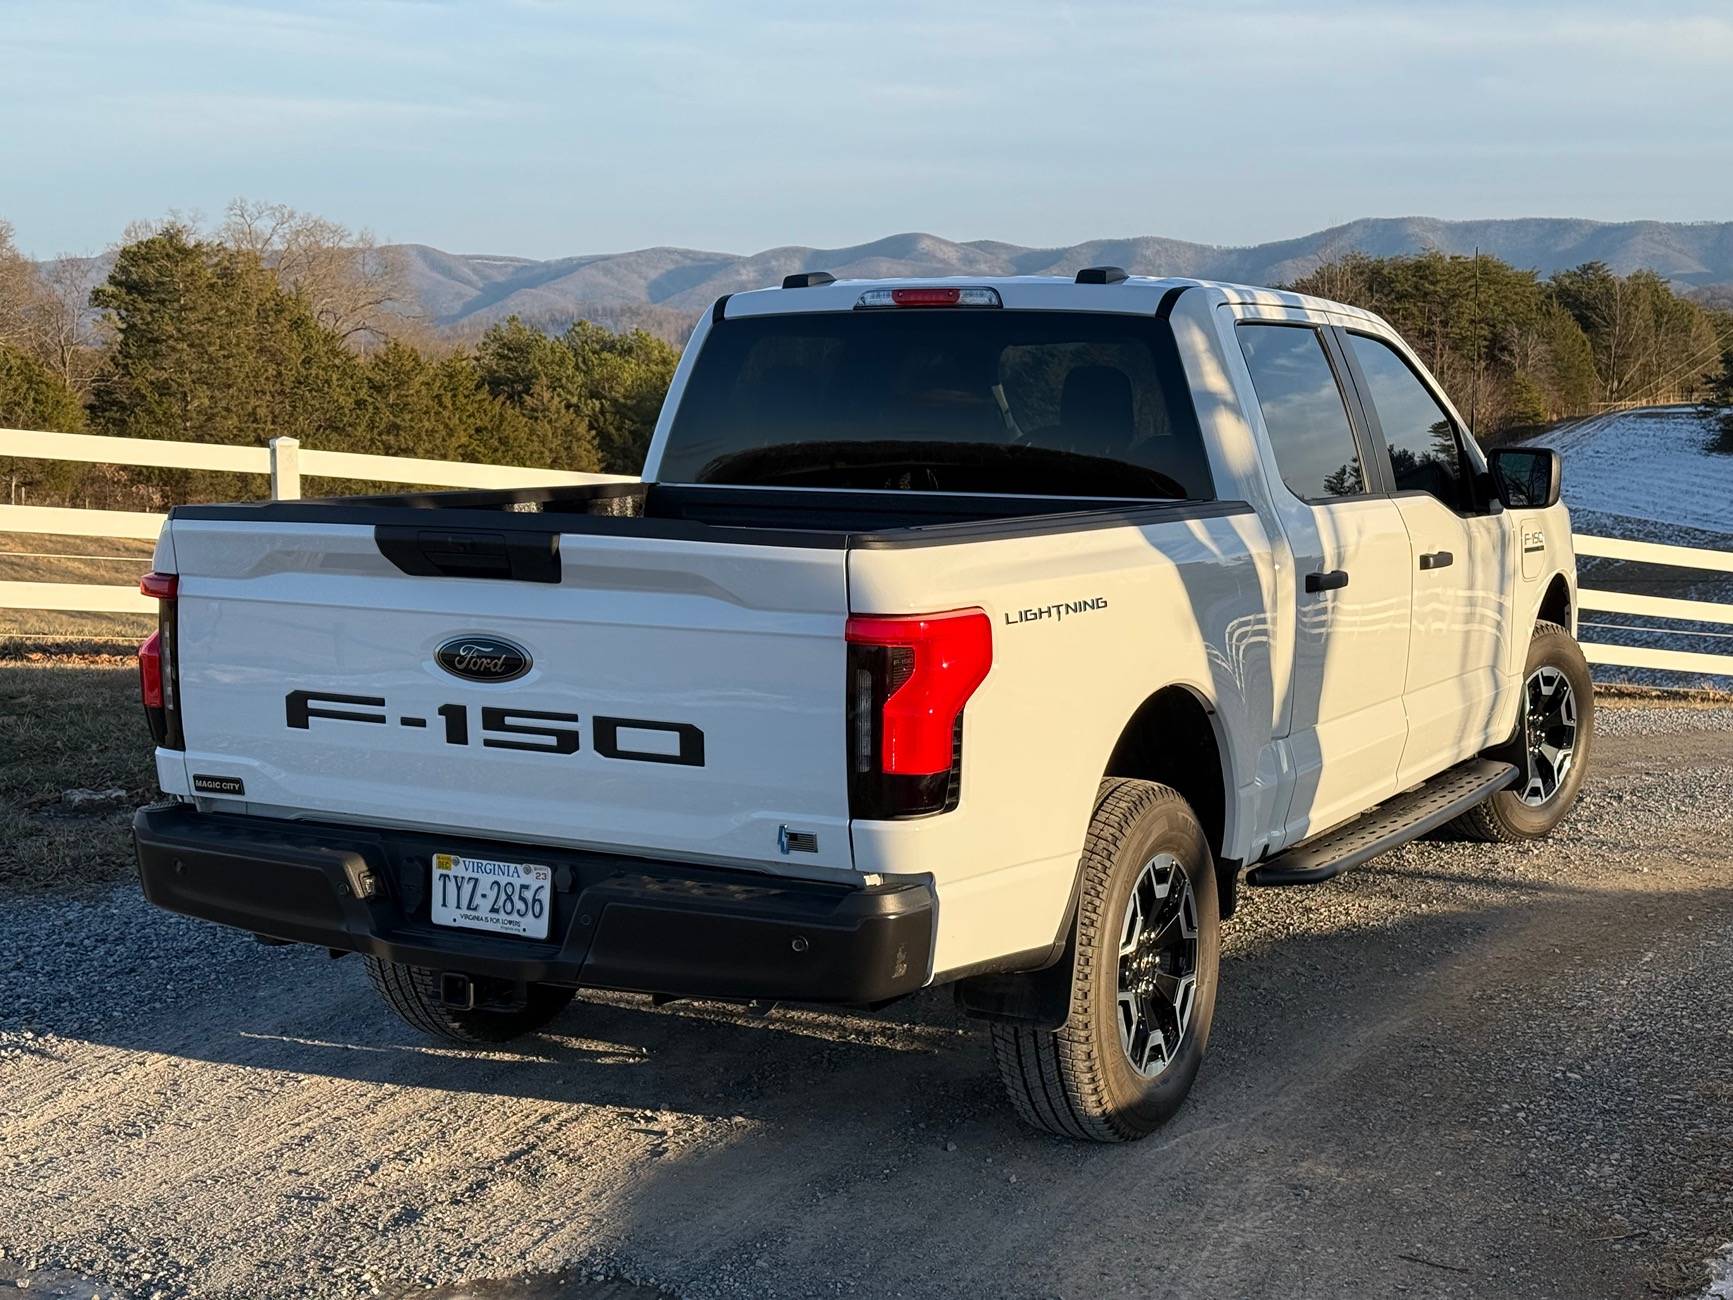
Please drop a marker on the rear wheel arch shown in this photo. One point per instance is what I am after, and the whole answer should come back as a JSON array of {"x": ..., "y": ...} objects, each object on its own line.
[{"x": 1174, "y": 738}]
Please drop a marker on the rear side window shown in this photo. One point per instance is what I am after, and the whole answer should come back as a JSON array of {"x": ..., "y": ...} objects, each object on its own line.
[
  {"x": 942, "y": 399},
  {"x": 1425, "y": 455},
  {"x": 1304, "y": 413}
]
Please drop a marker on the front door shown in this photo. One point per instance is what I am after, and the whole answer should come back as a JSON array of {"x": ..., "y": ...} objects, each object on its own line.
[{"x": 1352, "y": 586}]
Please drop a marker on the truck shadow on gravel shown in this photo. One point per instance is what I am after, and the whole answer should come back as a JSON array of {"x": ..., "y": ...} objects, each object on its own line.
[
  {"x": 1367, "y": 1035},
  {"x": 225, "y": 1000}
]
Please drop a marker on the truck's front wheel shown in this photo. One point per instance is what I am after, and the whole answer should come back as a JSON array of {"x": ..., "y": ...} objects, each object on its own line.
[
  {"x": 1143, "y": 982},
  {"x": 1554, "y": 732},
  {"x": 417, "y": 998}
]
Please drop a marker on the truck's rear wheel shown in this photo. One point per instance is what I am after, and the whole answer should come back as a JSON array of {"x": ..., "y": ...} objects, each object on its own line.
[
  {"x": 1143, "y": 982},
  {"x": 416, "y": 996},
  {"x": 1554, "y": 732}
]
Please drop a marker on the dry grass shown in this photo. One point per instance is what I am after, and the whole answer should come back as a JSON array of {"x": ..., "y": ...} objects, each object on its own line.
[
  {"x": 110, "y": 561},
  {"x": 1619, "y": 695},
  {"x": 69, "y": 722}
]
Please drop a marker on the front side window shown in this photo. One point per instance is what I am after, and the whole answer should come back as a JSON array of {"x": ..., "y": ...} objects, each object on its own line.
[
  {"x": 961, "y": 400},
  {"x": 1304, "y": 413},
  {"x": 1425, "y": 455}
]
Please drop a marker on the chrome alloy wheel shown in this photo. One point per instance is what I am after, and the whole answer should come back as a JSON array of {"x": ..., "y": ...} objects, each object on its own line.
[
  {"x": 1549, "y": 732},
  {"x": 1158, "y": 946}
]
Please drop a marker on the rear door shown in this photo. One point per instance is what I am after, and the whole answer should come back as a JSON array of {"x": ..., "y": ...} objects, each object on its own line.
[
  {"x": 1344, "y": 715},
  {"x": 675, "y": 696},
  {"x": 1463, "y": 562}
]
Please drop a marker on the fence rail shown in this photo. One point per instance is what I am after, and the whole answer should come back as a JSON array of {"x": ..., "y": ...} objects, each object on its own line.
[
  {"x": 1606, "y": 653},
  {"x": 286, "y": 461}
]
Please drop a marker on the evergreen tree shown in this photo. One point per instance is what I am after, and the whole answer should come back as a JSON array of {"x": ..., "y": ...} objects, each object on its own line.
[
  {"x": 209, "y": 348},
  {"x": 1513, "y": 350},
  {"x": 597, "y": 392},
  {"x": 33, "y": 397},
  {"x": 625, "y": 377},
  {"x": 1718, "y": 400}
]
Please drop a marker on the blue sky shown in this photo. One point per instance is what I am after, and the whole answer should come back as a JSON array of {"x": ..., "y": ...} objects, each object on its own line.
[{"x": 543, "y": 128}]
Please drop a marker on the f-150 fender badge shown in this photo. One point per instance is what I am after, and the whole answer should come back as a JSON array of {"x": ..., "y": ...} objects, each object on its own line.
[
  {"x": 1533, "y": 539},
  {"x": 203, "y": 784},
  {"x": 483, "y": 658}
]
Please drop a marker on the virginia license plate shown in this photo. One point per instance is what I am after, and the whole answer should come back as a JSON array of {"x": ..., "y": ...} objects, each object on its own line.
[{"x": 481, "y": 894}]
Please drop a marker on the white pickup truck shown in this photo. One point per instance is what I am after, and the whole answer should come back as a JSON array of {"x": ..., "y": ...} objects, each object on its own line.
[{"x": 980, "y": 632}]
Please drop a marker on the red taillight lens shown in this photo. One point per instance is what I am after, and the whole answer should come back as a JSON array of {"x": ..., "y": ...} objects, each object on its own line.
[
  {"x": 156, "y": 663},
  {"x": 909, "y": 679},
  {"x": 161, "y": 586},
  {"x": 150, "y": 670}
]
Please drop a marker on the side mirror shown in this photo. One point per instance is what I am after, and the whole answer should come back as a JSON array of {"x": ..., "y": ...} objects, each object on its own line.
[{"x": 1527, "y": 478}]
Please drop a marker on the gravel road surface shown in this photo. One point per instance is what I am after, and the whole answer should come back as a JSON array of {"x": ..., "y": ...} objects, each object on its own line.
[{"x": 1456, "y": 1072}]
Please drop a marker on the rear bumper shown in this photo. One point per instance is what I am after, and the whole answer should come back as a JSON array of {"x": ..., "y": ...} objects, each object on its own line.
[{"x": 617, "y": 922}]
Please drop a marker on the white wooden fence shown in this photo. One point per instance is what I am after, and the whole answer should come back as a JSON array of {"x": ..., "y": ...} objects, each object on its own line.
[
  {"x": 1625, "y": 602},
  {"x": 285, "y": 460}
]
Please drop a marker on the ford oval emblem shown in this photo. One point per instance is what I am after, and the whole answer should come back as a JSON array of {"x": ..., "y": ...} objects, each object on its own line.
[{"x": 483, "y": 658}]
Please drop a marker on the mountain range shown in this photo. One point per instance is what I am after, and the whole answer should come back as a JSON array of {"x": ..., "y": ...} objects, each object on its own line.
[{"x": 665, "y": 288}]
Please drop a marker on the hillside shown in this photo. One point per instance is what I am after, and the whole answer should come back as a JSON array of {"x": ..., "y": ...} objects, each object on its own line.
[
  {"x": 663, "y": 289},
  {"x": 679, "y": 282}
]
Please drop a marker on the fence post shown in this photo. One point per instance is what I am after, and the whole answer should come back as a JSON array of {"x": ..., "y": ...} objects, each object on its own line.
[{"x": 285, "y": 469}]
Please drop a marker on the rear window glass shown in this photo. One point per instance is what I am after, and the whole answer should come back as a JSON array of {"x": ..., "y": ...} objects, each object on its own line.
[{"x": 942, "y": 399}]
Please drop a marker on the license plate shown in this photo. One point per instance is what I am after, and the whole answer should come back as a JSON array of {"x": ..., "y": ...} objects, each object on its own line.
[{"x": 481, "y": 894}]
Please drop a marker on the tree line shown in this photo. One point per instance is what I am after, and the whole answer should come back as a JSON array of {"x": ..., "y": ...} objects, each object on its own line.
[
  {"x": 277, "y": 324},
  {"x": 1514, "y": 350}
]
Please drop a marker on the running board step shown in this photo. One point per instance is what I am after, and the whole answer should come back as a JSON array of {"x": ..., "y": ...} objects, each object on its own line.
[{"x": 1393, "y": 822}]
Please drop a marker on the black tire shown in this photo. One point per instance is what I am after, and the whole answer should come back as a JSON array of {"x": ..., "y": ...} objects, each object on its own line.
[
  {"x": 413, "y": 993},
  {"x": 1079, "y": 1081},
  {"x": 1508, "y": 817}
]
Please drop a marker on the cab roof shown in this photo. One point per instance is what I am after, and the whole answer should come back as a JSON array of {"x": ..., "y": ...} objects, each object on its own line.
[{"x": 1135, "y": 294}]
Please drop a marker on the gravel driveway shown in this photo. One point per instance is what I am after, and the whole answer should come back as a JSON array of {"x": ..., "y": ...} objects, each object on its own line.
[{"x": 1455, "y": 1072}]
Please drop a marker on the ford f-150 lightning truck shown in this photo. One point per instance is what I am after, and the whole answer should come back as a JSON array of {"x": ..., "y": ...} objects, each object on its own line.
[{"x": 989, "y": 632}]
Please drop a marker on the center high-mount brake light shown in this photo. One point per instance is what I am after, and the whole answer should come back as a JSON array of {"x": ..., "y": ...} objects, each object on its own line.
[
  {"x": 158, "y": 674},
  {"x": 929, "y": 296},
  {"x": 908, "y": 680}
]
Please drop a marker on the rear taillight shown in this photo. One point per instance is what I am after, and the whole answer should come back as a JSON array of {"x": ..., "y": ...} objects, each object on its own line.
[
  {"x": 908, "y": 680},
  {"x": 150, "y": 672},
  {"x": 158, "y": 676}
]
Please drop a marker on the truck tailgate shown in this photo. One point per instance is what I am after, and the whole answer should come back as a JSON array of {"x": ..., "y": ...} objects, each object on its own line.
[{"x": 681, "y": 697}]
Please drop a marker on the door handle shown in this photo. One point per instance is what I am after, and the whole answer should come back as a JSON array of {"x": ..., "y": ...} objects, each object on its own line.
[
  {"x": 1437, "y": 560},
  {"x": 1334, "y": 580}
]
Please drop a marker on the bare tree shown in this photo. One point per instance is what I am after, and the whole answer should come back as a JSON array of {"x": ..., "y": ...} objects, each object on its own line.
[
  {"x": 353, "y": 286},
  {"x": 20, "y": 293},
  {"x": 69, "y": 334}
]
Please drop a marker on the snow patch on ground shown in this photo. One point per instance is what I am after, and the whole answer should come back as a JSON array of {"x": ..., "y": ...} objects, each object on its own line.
[
  {"x": 1648, "y": 464},
  {"x": 1721, "y": 1276}
]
